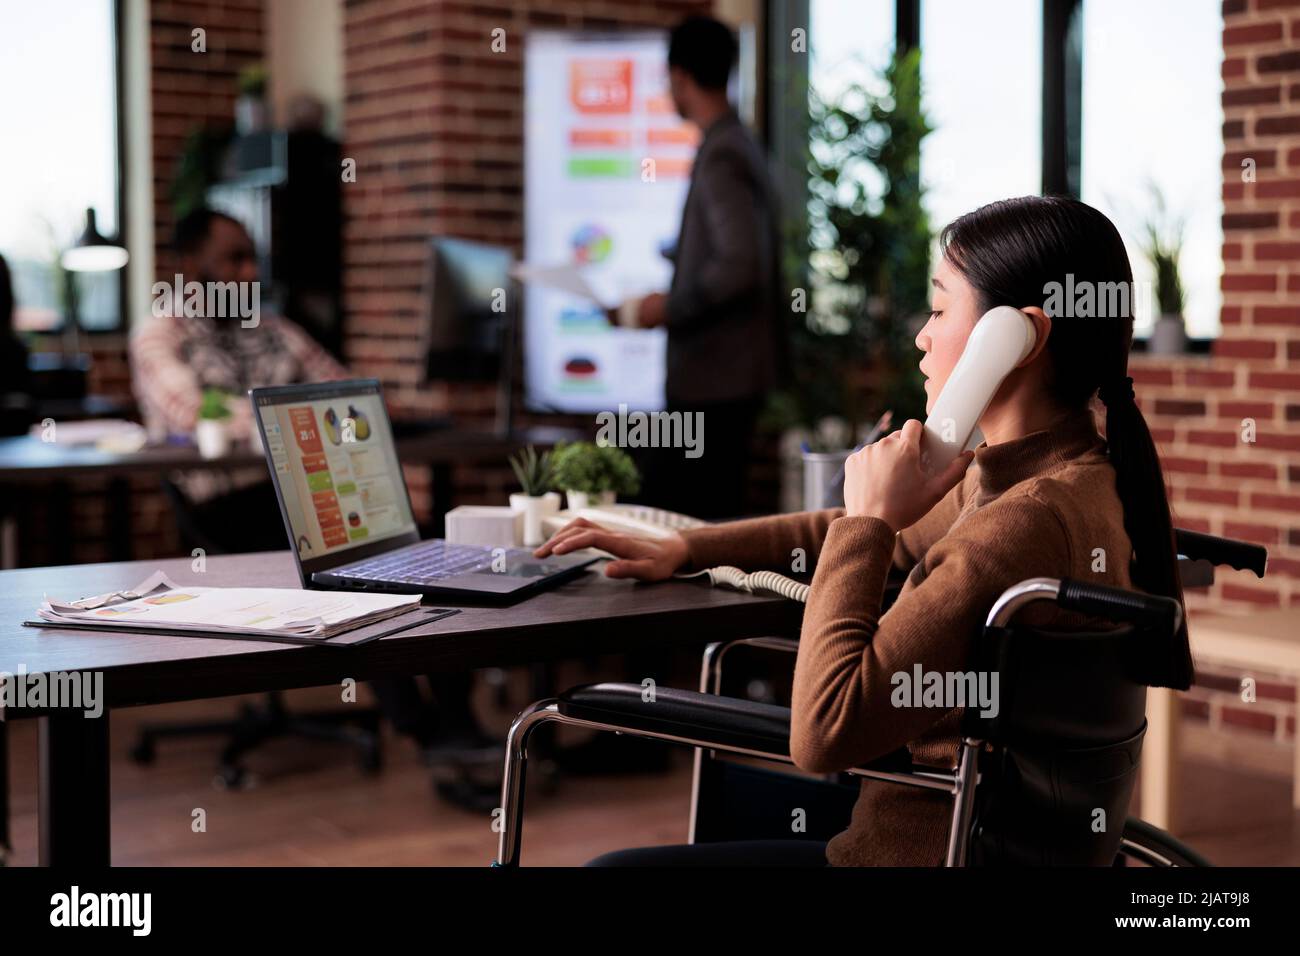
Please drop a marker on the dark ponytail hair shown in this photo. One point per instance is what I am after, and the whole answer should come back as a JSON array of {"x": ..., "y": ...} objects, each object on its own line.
[{"x": 1011, "y": 251}]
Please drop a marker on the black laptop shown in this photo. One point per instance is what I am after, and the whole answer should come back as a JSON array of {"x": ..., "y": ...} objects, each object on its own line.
[{"x": 348, "y": 513}]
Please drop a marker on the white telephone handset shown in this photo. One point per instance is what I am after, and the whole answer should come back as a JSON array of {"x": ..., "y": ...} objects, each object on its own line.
[{"x": 1000, "y": 340}]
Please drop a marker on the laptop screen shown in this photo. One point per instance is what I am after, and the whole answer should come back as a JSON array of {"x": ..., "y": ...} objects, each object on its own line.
[{"x": 336, "y": 466}]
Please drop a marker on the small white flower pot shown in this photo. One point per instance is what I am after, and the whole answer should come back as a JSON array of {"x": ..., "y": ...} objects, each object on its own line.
[
  {"x": 534, "y": 508},
  {"x": 1168, "y": 336},
  {"x": 212, "y": 437},
  {"x": 585, "y": 499}
]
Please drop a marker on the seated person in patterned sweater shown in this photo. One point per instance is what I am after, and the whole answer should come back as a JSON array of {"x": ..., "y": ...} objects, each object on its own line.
[
  {"x": 176, "y": 355},
  {"x": 1039, "y": 497}
]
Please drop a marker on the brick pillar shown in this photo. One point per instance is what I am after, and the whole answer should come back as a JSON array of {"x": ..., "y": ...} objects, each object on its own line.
[
  {"x": 434, "y": 119},
  {"x": 191, "y": 89}
]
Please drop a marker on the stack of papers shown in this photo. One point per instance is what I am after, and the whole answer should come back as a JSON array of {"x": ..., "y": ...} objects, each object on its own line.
[
  {"x": 106, "y": 434},
  {"x": 159, "y": 603}
]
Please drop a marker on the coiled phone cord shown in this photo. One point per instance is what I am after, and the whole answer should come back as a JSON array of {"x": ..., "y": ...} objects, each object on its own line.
[{"x": 755, "y": 581}]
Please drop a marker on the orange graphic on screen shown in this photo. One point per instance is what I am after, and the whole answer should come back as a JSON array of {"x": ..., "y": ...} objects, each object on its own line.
[
  {"x": 675, "y": 136},
  {"x": 304, "y": 429},
  {"x": 320, "y": 482},
  {"x": 601, "y": 86},
  {"x": 671, "y": 167},
  {"x": 600, "y": 138}
]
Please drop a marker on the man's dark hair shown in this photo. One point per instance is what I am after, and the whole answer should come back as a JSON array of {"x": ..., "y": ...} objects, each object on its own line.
[
  {"x": 706, "y": 49},
  {"x": 193, "y": 229}
]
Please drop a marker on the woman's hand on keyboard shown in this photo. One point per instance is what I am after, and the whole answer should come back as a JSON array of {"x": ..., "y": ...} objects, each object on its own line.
[{"x": 648, "y": 559}]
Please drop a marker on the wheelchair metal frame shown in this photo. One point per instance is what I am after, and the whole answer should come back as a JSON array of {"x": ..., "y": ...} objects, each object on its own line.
[{"x": 960, "y": 781}]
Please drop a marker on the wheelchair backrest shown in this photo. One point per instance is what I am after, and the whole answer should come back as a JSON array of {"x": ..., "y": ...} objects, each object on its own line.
[{"x": 1061, "y": 761}]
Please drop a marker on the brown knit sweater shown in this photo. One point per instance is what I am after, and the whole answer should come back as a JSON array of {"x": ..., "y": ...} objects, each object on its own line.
[{"x": 1041, "y": 505}]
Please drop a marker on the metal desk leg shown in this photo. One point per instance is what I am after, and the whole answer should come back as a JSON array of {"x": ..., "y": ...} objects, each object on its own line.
[
  {"x": 119, "y": 519},
  {"x": 74, "y": 792},
  {"x": 59, "y": 534},
  {"x": 1159, "y": 766}
]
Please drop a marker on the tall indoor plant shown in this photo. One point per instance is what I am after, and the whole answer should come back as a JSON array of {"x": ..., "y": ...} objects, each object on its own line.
[
  {"x": 868, "y": 249},
  {"x": 868, "y": 253}
]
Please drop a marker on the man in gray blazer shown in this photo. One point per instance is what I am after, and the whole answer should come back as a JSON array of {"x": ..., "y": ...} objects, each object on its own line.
[{"x": 721, "y": 311}]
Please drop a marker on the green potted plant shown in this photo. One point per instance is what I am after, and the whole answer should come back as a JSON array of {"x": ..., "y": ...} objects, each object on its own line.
[
  {"x": 535, "y": 501},
  {"x": 251, "y": 113},
  {"x": 593, "y": 475},
  {"x": 212, "y": 432},
  {"x": 1162, "y": 245}
]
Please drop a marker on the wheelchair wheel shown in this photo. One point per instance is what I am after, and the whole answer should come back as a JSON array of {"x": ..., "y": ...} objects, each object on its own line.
[{"x": 1152, "y": 846}]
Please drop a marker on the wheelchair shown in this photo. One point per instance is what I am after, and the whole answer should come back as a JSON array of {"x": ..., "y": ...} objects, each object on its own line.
[{"x": 1030, "y": 785}]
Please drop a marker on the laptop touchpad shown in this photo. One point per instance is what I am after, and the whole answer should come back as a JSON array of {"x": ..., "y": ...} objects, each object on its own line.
[{"x": 524, "y": 569}]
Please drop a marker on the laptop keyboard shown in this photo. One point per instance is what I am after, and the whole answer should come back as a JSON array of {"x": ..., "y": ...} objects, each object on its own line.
[{"x": 425, "y": 564}]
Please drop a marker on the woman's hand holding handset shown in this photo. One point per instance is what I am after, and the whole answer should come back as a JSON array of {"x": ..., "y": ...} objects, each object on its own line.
[
  {"x": 885, "y": 479},
  {"x": 648, "y": 559}
]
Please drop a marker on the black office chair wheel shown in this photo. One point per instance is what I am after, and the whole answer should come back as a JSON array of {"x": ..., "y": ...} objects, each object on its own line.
[
  {"x": 144, "y": 752},
  {"x": 1144, "y": 843}
]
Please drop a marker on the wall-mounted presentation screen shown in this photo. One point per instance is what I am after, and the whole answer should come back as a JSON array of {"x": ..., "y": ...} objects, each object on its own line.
[{"x": 607, "y": 165}]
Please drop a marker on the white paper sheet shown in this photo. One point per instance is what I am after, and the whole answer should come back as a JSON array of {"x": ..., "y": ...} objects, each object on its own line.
[{"x": 160, "y": 602}]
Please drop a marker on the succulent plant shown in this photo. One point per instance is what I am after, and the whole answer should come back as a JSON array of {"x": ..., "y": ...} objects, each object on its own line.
[{"x": 534, "y": 472}]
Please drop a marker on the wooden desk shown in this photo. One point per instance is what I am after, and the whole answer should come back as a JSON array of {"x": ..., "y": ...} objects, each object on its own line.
[
  {"x": 590, "y": 615},
  {"x": 27, "y": 462}
]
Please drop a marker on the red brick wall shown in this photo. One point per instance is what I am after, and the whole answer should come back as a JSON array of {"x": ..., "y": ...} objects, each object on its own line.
[
  {"x": 190, "y": 89},
  {"x": 1196, "y": 406},
  {"x": 434, "y": 119}
]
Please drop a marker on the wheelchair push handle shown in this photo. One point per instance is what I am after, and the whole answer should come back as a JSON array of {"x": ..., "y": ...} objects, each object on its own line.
[
  {"x": 1118, "y": 604},
  {"x": 1239, "y": 555}
]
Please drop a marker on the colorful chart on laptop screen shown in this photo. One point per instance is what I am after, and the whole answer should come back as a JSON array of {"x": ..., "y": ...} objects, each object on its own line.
[{"x": 341, "y": 484}]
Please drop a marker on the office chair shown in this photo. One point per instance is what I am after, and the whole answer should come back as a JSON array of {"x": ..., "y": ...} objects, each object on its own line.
[
  {"x": 1042, "y": 782},
  {"x": 359, "y": 728}
]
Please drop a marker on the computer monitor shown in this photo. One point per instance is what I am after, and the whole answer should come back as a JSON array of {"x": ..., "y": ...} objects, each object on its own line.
[
  {"x": 468, "y": 308},
  {"x": 469, "y": 301}
]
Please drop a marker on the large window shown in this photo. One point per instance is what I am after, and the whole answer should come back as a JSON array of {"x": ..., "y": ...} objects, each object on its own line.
[
  {"x": 981, "y": 85},
  {"x": 1152, "y": 120},
  {"x": 982, "y": 88},
  {"x": 1121, "y": 101},
  {"x": 59, "y": 115},
  {"x": 851, "y": 42}
]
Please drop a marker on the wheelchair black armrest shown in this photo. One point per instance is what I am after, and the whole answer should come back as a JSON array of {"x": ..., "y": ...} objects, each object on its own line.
[
  {"x": 692, "y": 717},
  {"x": 1241, "y": 555},
  {"x": 704, "y": 720},
  {"x": 1118, "y": 604}
]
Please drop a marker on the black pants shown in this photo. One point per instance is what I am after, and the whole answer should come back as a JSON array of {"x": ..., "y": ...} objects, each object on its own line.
[
  {"x": 734, "y": 853},
  {"x": 712, "y": 485}
]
